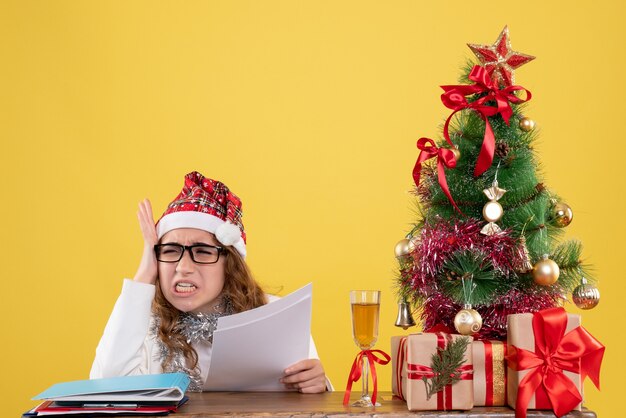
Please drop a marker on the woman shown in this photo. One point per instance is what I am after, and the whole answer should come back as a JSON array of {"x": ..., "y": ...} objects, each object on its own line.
[{"x": 192, "y": 271}]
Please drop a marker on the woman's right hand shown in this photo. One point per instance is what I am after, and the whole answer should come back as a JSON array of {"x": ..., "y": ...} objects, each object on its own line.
[{"x": 147, "y": 271}]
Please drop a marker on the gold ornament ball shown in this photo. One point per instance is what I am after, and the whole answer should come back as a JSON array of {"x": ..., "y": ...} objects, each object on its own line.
[
  {"x": 562, "y": 215},
  {"x": 586, "y": 296},
  {"x": 402, "y": 248},
  {"x": 468, "y": 321},
  {"x": 546, "y": 272},
  {"x": 492, "y": 211},
  {"x": 413, "y": 243},
  {"x": 526, "y": 124}
]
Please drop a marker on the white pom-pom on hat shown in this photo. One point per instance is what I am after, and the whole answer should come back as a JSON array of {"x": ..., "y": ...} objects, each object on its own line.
[{"x": 227, "y": 234}]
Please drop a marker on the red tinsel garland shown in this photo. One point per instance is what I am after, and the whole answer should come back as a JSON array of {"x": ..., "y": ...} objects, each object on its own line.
[
  {"x": 440, "y": 240},
  {"x": 437, "y": 244},
  {"x": 439, "y": 310}
]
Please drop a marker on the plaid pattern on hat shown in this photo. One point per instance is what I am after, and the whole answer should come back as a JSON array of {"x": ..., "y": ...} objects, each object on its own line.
[{"x": 209, "y": 205}]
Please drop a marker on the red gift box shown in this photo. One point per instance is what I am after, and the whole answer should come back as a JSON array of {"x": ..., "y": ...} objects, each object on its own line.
[
  {"x": 411, "y": 359},
  {"x": 549, "y": 355},
  {"x": 489, "y": 373}
]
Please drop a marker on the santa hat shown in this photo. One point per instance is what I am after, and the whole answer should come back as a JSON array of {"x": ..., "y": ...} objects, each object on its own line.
[{"x": 207, "y": 205}]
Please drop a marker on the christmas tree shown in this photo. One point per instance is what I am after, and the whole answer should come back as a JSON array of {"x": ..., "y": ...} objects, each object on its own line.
[{"x": 489, "y": 238}]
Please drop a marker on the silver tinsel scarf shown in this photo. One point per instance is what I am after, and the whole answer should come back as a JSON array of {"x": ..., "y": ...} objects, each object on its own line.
[{"x": 196, "y": 328}]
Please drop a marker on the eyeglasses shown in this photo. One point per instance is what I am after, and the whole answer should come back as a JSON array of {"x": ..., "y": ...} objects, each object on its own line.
[{"x": 200, "y": 253}]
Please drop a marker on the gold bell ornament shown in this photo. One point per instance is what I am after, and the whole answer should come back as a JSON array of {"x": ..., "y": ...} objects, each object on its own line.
[
  {"x": 492, "y": 211},
  {"x": 586, "y": 296},
  {"x": 405, "y": 318}
]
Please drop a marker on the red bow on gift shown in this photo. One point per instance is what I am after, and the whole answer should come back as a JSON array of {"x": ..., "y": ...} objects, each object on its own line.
[
  {"x": 445, "y": 157},
  {"x": 357, "y": 367},
  {"x": 577, "y": 352},
  {"x": 454, "y": 98}
]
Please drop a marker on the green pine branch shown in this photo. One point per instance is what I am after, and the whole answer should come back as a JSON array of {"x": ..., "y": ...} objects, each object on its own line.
[
  {"x": 445, "y": 364},
  {"x": 469, "y": 265},
  {"x": 567, "y": 255},
  {"x": 514, "y": 162}
]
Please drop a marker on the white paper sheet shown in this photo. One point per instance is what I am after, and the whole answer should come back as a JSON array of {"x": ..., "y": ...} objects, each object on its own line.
[{"x": 253, "y": 348}]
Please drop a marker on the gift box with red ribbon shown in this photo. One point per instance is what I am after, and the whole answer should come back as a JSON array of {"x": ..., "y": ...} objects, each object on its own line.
[
  {"x": 489, "y": 373},
  {"x": 398, "y": 365},
  {"x": 416, "y": 378},
  {"x": 549, "y": 355}
]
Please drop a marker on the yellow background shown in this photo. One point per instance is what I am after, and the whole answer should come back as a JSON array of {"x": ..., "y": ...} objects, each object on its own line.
[{"x": 309, "y": 111}]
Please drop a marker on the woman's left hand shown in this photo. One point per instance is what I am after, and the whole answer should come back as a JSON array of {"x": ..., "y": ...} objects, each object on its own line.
[{"x": 307, "y": 376}]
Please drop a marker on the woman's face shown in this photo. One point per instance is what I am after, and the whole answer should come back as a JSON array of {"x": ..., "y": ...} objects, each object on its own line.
[{"x": 189, "y": 286}]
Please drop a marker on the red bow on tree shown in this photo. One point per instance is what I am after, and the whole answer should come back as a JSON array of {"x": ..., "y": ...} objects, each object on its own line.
[
  {"x": 445, "y": 157},
  {"x": 454, "y": 98},
  {"x": 577, "y": 352}
]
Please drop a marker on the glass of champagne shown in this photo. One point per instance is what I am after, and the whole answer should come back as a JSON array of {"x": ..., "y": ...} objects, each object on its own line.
[{"x": 365, "y": 310}]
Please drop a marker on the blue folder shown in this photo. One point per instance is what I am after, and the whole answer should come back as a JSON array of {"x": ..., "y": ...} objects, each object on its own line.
[{"x": 166, "y": 387}]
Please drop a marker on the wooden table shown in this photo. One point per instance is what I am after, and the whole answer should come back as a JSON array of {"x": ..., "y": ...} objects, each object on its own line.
[{"x": 284, "y": 404}]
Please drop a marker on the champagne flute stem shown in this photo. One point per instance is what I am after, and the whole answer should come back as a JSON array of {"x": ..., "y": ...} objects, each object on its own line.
[{"x": 365, "y": 377}]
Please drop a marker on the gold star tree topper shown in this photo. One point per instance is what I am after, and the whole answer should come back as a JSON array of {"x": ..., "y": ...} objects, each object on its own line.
[{"x": 499, "y": 60}]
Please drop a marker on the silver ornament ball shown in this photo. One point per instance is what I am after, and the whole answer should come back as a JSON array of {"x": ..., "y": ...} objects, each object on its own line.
[{"x": 586, "y": 296}]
